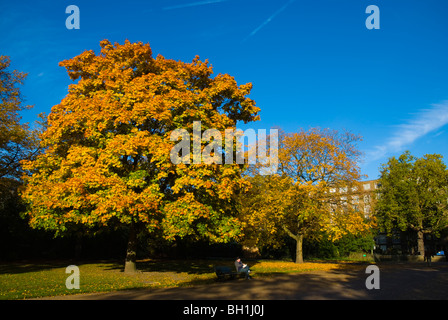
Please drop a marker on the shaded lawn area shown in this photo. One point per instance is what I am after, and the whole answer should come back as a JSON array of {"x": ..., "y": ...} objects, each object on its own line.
[{"x": 32, "y": 280}]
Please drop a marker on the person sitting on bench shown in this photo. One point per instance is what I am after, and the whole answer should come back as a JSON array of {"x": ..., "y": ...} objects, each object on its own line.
[{"x": 241, "y": 267}]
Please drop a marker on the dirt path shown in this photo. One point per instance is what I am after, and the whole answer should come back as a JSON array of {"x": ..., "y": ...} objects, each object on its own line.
[{"x": 397, "y": 281}]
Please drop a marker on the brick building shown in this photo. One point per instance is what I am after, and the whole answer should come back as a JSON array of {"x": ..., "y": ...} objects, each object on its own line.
[{"x": 361, "y": 197}]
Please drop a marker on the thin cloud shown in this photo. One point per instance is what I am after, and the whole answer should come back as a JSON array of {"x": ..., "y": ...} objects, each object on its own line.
[
  {"x": 269, "y": 19},
  {"x": 439, "y": 133},
  {"x": 193, "y": 4},
  {"x": 424, "y": 122}
]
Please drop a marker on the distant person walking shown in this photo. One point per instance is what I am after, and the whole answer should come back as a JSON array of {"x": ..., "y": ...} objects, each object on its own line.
[{"x": 428, "y": 256}]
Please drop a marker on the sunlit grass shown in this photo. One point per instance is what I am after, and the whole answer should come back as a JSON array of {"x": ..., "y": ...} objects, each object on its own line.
[
  {"x": 274, "y": 267},
  {"x": 22, "y": 281},
  {"x": 284, "y": 267},
  {"x": 31, "y": 281}
]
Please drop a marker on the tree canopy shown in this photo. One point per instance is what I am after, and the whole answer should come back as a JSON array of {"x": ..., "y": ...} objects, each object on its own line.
[
  {"x": 107, "y": 147},
  {"x": 17, "y": 141},
  {"x": 297, "y": 201},
  {"x": 413, "y": 195}
]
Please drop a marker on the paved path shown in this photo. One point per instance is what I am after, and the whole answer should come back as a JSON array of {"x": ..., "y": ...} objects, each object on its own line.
[{"x": 397, "y": 281}]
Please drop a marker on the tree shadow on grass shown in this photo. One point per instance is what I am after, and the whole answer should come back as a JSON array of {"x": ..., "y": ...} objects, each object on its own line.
[
  {"x": 36, "y": 266},
  {"x": 324, "y": 285},
  {"x": 149, "y": 265},
  {"x": 179, "y": 266},
  {"x": 25, "y": 267},
  {"x": 196, "y": 266}
]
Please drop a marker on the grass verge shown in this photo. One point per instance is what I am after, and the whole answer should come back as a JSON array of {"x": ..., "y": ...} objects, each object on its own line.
[{"x": 32, "y": 280}]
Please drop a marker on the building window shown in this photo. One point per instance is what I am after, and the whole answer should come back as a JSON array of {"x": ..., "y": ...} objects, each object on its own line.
[
  {"x": 367, "y": 211},
  {"x": 343, "y": 190},
  {"x": 366, "y": 186},
  {"x": 366, "y": 199}
]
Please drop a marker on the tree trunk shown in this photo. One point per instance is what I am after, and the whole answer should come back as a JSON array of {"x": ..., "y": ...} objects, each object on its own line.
[
  {"x": 420, "y": 243},
  {"x": 299, "y": 251},
  {"x": 131, "y": 252},
  {"x": 299, "y": 244},
  {"x": 78, "y": 247}
]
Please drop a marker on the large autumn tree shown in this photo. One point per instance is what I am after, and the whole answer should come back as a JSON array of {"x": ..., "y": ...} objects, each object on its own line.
[
  {"x": 413, "y": 196},
  {"x": 297, "y": 201},
  {"x": 107, "y": 148}
]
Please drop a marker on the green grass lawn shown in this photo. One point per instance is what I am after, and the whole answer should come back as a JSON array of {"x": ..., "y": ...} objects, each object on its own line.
[{"x": 23, "y": 280}]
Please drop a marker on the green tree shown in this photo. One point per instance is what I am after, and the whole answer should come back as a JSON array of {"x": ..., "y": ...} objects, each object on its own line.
[
  {"x": 296, "y": 202},
  {"x": 413, "y": 195},
  {"x": 17, "y": 141},
  {"x": 108, "y": 143}
]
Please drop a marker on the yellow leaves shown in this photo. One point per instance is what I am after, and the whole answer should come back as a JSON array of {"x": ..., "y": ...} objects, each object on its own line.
[
  {"x": 320, "y": 154},
  {"x": 188, "y": 217},
  {"x": 297, "y": 201},
  {"x": 287, "y": 267},
  {"x": 108, "y": 146}
]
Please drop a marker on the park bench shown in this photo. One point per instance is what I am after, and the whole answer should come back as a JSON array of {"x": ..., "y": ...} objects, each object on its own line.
[{"x": 224, "y": 272}]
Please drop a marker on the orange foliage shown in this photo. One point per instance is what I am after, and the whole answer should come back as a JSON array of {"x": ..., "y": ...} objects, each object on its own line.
[{"x": 107, "y": 156}]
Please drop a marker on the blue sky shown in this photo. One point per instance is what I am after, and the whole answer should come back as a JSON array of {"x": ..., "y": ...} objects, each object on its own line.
[{"x": 313, "y": 63}]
